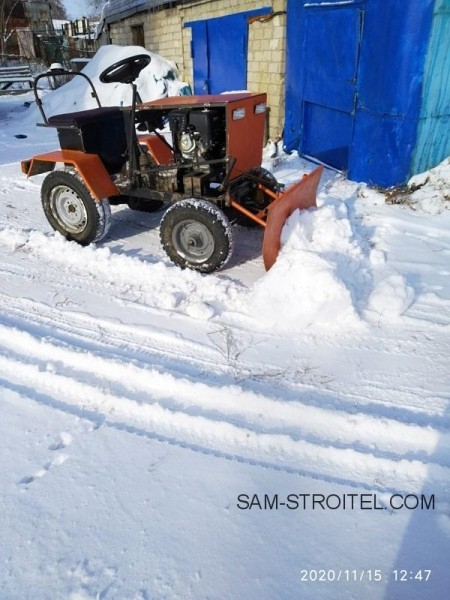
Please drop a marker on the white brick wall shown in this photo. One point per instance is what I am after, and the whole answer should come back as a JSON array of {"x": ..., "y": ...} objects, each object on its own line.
[{"x": 166, "y": 35}]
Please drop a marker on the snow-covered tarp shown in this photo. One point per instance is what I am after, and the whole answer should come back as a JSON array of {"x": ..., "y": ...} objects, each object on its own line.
[
  {"x": 171, "y": 435},
  {"x": 157, "y": 80}
]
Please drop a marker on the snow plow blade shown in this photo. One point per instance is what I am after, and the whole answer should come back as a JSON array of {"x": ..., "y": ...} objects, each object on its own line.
[{"x": 301, "y": 195}]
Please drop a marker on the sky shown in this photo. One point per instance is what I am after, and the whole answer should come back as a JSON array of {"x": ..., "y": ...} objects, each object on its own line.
[{"x": 77, "y": 9}]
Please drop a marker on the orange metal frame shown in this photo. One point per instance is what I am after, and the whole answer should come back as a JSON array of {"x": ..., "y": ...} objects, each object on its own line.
[
  {"x": 245, "y": 135},
  {"x": 300, "y": 195},
  {"x": 90, "y": 167}
]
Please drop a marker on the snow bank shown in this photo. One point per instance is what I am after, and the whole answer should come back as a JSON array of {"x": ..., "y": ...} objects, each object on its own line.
[
  {"x": 392, "y": 296},
  {"x": 160, "y": 284},
  {"x": 310, "y": 283},
  {"x": 158, "y": 80},
  {"x": 431, "y": 189}
]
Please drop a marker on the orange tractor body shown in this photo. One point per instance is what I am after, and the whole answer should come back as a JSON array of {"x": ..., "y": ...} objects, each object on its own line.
[{"x": 199, "y": 155}]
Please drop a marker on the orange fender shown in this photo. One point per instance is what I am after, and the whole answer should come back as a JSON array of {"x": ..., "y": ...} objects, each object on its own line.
[
  {"x": 89, "y": 166},
  {"x": 160, "y": 152}
]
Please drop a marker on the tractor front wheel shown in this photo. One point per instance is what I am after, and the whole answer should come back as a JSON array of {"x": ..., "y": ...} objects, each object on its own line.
[
  {"x": 71, "y": 209},
  {"x": 196, "y": 234}
]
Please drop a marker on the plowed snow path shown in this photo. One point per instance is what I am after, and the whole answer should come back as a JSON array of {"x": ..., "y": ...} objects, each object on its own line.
[{"x": 185, "y": 389}]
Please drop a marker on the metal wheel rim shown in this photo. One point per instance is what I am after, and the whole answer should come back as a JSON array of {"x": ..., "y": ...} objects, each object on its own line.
[
  {"x": 193, "y": 241},
  {"x": 69, "y": 209}
]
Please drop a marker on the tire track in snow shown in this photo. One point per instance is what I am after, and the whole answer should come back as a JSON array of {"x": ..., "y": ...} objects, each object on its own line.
[
  {"x": 120, "y": 340},
  {"x": 294, "y": 436},
  {"x": 235, "y": 404},
  {"x": 189, "y": 358},
  {"x": 124, "y": 278},
  {"x": 223, "y": 439},
  {"x": 162, "y": 346},
  {"x": 179, "y": 407}
]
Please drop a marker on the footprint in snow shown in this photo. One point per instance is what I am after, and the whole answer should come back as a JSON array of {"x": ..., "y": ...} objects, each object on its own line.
[
  {"x": 56, "y": 462},
  {"x": 65, "y": 439}
]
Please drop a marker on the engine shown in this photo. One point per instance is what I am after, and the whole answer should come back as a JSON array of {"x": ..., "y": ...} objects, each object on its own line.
[
  {"x": 199, "y": 152},
  {"x": 198, "y": 134}
]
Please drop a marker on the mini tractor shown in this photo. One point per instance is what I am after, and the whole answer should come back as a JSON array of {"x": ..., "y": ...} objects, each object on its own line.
[{"x": 206, "y": 172}]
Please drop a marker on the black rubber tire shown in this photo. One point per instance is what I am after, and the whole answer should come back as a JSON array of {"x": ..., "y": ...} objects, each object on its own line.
[
  {"x": 266, "y": 178},
  {"x": 71, "y": 209},
  {"x": 196, "y": 234}
]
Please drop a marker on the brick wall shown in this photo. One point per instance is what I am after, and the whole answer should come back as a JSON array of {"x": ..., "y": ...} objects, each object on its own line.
[
  {"x": 166, "y": 35},
  {"x": 266, "y": 66}
]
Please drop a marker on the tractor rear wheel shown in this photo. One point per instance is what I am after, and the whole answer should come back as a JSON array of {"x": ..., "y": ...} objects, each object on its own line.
[
  {"x": 196, "y": 234},
  {"x": 71, "y": 209}
]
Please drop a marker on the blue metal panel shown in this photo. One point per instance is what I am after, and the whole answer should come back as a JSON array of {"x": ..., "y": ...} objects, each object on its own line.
[
  {"x": 322, "y": 60},
  {"x": 393, "y": 50},
  {"x": 294, "y": 80},
  {"x": 331, "y": 42},
  {"x": 199, "y": 51},
  {"x": 390, "y": 80},
  {"x": 326, "y": 134},
  {"x": 227, "y": 53},
  {"x": 381, "y": 148},
  {"x": 219, "y": 50},
  {"x": 433, "y": 140},
  {"x": 385, "y": 74}
]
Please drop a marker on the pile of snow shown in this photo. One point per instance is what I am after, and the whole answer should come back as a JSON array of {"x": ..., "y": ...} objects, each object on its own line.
[
  {"x": 158, "y": 80},
  {"x": 392, "y": 296},
  {"x": 330, "y": 276},
  {"x": 160, "y": 284},
  {"x": 431, "y": 189},
  {"x": 312, "y": 281}
]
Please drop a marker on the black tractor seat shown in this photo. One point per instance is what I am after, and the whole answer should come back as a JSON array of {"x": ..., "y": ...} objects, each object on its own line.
[{"x": 98, "y": 131}]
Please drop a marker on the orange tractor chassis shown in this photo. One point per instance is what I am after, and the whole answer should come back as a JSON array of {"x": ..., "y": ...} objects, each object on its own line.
[{"x": 207, "y": 167}]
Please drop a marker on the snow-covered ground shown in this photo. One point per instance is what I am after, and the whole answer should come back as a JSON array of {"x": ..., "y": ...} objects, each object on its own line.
[{"x": 143, "y": 407}]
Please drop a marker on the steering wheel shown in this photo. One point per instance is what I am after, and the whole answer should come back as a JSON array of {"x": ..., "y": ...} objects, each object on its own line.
[{"x": 125, "y": 70}]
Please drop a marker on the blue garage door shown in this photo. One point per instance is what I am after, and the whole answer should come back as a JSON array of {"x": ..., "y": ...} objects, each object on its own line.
[
  {"x": 323, "y": 43},
  {"x": 219, "y": 52}
]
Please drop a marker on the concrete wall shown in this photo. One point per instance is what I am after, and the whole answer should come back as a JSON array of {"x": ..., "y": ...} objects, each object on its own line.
[{"x": 166, "y": 35}]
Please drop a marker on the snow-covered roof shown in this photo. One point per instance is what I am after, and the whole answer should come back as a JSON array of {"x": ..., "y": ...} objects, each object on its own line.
[
  {"x": 59, "y": 23},
  {"x": 115, "y": 10}
]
